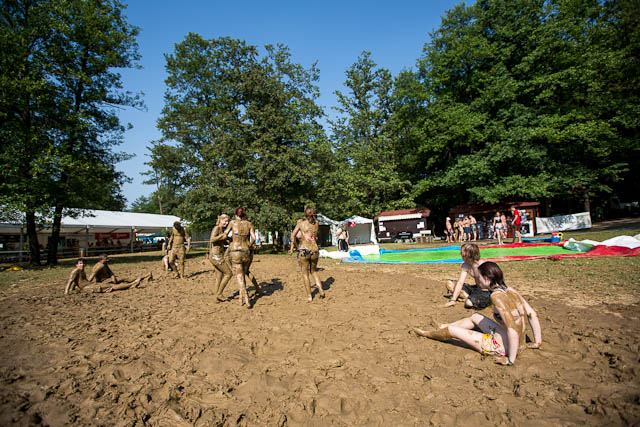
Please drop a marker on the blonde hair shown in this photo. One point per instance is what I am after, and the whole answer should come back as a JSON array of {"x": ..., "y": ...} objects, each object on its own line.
[
  {"x": 470, "y": 251},
  {"x": 221, "y": 217}
]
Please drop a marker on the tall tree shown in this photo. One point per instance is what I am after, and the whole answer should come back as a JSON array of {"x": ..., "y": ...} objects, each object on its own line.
[
  {"x": 518, "y": 99},
  {"x": 27, "y": 99},
  {"x": 247, "y": 128},
  {"x": 72, "y": 165},
  {"x": 365, "y": 179}
]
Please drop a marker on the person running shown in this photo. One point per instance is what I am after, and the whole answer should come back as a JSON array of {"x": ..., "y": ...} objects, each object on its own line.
[
  {"x": 517, "y": 222},
  {"x": 217, "y": 243},
  {"x": 506, "y": 336},
  {"x": 99, "y": 273},
  {"x": 448, "y": 231},
  {"x": 497, "y": 227},
  {"x": 240, "y": 251},
  {"x": 477, "y": 296},
  {"x": 176, "y": 245},
  {"x": 308, "y": 252}
]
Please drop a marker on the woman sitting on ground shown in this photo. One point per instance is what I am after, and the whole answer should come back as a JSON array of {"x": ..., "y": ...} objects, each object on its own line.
[{"x": 505, "y": 337}]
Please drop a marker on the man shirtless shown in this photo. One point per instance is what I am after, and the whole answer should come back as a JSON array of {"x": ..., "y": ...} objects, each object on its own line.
[
  {"x": 99, "y": 273},
  {"x": 176, "y": 246}
]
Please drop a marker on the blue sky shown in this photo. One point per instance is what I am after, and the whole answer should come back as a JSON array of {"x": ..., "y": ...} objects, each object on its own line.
[{"x": 332, "y": 33}]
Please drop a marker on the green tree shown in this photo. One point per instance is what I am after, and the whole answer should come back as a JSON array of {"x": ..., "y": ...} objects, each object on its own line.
[
  {"x": 363, "y": 177},
  {"x": 246, "y": 126},
  {"x": 67, "y": 50},
  {"x": 522, "y": 99}
]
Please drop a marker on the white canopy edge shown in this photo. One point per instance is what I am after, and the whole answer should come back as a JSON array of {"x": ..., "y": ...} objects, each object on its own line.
[
  {"x": 399, "y": 217},
  {"x": 99, "y": 220}
]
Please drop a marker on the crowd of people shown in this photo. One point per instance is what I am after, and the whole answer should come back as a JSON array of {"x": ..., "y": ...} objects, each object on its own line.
[
  {"x": 466, "y": 228},
  {"x": 231, "y": 254}
]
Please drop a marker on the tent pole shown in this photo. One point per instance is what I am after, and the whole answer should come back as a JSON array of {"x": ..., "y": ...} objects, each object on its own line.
[
  {"x": 131, "y": 241},
  {"x": 86, "y": 234}
]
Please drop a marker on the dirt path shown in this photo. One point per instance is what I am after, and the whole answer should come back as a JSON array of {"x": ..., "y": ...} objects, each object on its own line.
[{"x": 168, "y": 355}]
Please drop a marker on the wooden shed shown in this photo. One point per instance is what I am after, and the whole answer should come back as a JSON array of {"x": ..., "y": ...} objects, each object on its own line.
[{"x": 389, "y": 223}]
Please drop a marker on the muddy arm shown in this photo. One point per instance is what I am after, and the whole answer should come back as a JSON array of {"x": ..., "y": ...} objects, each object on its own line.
[
  {"x": 458, "y": 288},
  {"x": 534, "y": 322}
]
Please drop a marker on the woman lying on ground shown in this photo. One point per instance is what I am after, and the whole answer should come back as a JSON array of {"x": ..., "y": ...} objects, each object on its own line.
[{"x": 505, "y": 337}]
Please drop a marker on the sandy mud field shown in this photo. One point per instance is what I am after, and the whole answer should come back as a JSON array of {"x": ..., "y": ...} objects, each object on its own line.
[{"x": 168, "y": 355}]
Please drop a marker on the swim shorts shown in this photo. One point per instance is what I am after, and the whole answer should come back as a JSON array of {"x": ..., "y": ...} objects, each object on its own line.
[
  {"x": 479, "y": 298},
  {"x": 307, "y": 254}
]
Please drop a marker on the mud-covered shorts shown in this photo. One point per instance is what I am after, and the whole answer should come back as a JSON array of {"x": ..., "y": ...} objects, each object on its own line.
[
  {"x": 309, "y": 255},
  {"x": 479, "y": 298}
]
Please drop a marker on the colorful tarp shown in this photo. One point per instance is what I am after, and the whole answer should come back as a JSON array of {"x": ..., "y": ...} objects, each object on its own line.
[{"x": 510, "y": 252}]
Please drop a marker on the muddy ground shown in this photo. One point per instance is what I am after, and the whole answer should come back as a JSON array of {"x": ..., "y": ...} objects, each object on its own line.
[{"x": 167, "y": 354}]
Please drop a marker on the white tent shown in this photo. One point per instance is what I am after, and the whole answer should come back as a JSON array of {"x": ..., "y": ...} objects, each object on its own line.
[
  {"x": 325, "y": 221},
  {"x": 98, "y": 221},
  {"x": 364, "y": 231}
]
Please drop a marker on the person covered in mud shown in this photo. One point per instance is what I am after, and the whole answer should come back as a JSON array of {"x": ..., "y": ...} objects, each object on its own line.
[
  {"x": 477, "y": 296},
  {"x": 99, "y": 273},
  {"x": 240, "y": 250},
  {"x": 165, "y": 262},
  {"x": 506, "y": 336},
  {"x": 217, "y": 243},
  {"x": 307, "y": 233},
  {"x": 176, "y": 245}
]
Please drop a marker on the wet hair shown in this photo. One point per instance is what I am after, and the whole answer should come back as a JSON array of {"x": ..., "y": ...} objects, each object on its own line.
[
  {"x": 240, "y": 213},
  {"x": 490, "y": 271},
  {"x": 471, "y": 251},
  {"x": 310, "y": 214},
  {"x": 221, "y": 217}
]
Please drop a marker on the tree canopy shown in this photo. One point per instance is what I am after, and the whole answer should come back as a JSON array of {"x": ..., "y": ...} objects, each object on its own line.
[{"x": 58, "y": 109}]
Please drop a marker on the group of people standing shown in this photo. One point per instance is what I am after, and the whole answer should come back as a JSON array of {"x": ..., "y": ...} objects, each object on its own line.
[
  {"x": 468, "y": 229},
  {"x": 462, "y": 230},
  {"x": 231, "y": 252}
]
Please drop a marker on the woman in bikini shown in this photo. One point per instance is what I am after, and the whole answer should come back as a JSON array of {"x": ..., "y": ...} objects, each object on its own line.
[
  {"x": 497, "y": 227},
  {"x": 506, "y": 336},
  {"x": 240, "y": 248},
  {"x": 307, "y": 232},
  {"x": 217, "y": 243}
]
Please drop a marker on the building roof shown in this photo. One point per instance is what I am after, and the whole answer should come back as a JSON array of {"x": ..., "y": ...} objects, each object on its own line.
[{"x": 403, "y": 214}]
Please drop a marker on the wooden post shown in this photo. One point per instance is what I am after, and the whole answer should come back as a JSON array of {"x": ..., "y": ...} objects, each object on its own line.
[{"x": 21, "y": 244}]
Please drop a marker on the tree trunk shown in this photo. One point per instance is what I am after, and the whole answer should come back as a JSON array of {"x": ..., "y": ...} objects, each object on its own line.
[
  {"x": 32, "y": 233},
  {"x": 52, "y": 254},
  {"x": 547, "y": 207},
  {"x": 587, "y": 201}
]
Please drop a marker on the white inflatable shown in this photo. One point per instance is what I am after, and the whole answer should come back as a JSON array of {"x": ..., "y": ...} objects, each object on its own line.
[
  {"x": 587, "y": 245},
  {"x": 364, "y": 250}
]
